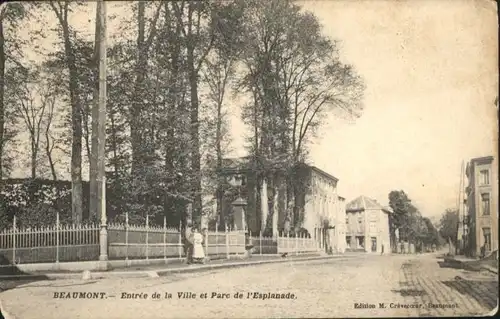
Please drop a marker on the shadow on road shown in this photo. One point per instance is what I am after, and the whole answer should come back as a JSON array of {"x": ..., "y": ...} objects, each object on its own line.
[
  {"x": 16, "y": 279},
  {"x": 450, "y": 264},
  {"x": 484, "y": 291}
]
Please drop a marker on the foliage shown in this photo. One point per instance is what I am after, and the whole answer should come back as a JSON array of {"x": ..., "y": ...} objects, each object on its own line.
[
  {"x": 448, "y": 225},
  {"x": 408, "y": 221},
  {"x": 170, "y": 73}
]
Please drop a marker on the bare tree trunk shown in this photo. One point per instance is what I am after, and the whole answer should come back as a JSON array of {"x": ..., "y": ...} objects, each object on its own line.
[
  {"x": 33, "y": 156},
  {"x": 48, "y": 151}
]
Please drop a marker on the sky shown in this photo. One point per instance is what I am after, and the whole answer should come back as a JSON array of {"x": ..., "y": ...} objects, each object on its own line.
[{"x": 430, "y": 68}]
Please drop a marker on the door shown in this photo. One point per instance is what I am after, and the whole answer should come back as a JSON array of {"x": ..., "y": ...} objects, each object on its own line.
[{"x": 374, "y": 244}]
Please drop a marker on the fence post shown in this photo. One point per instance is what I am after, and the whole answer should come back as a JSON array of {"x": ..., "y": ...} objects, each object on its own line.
[
  {"x": 260, "y": 242},
  {"x": 14, "y": 241},
  {"x": 227, "y": 243},
  {"x": 296, "y": 244},
  {"x": 217, "y": 238},
  {"x": 165, "y": 238},
  {"x": 147, "y": 236},
  {"x": 287, "y": 242},
  {"x": 180, "y": 239},
  {"x": 303, "y": 236},
  {"x": 206, "y": 242},
  {"x": 321, "y": 238},
  {"x": 57, "y": 237},
  {"x": 126, "y": 237}
]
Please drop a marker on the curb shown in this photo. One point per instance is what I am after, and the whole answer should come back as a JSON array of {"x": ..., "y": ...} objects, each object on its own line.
[
  {"x": 494, "y": 271},
  {"x": 242, "y": 264},
  {"x": 162, "y": 272},
  {"x": 467, "y": 267}
]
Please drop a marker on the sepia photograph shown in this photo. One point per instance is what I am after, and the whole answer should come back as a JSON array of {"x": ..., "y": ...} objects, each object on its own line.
[{"x": 249, "y": 159}]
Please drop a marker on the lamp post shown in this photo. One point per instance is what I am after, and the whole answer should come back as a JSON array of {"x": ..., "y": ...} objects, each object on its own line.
[
  {"x": 238, "y": 206},
  {"x": 103, "y": 236}
]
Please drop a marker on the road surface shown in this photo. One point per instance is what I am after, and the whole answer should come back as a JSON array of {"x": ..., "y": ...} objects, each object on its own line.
[{"x": 364, "y": 286}]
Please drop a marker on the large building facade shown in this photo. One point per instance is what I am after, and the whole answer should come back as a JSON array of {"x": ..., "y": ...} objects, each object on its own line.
[
  {"x": 482, "y": 206},
  {"x": 316, "y": 206},
  {"x": 323, "y": 208},
  {"x": 367, "y": 226}
]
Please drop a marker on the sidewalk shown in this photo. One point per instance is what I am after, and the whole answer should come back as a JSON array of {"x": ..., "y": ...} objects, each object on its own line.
[
  {"x": 162, "y": 270},
  {"x": 473, "y": 264}
]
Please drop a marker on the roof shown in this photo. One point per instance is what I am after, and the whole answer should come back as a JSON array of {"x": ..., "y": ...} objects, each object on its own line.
[
  {"x": 325, "y": 174},
  {"x": 362, "y": 203},
  {"x": 484, "y": 159}
]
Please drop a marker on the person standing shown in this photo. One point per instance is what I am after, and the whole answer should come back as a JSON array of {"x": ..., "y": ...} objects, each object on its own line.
[
  {"x": 188, "y": 244},
  {"x": 198, "y": 253}
]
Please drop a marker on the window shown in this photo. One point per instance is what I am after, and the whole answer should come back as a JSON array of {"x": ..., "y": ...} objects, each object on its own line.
[
  {"x": 347, "y": 220},
  {"x": 485, "y": 203},
  {"x": 487, "y": 238},
  {"x": 484, "y": 177}
]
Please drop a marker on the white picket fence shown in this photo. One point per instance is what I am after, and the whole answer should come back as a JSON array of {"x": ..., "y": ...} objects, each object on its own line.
[
  {"x": 66, "y": 243},
  {"x": 145, "y": 241},
  {"x": 54, "y": 243},
  {"x": 284, "y": 243},
  {"x": 81, "y": 242}
]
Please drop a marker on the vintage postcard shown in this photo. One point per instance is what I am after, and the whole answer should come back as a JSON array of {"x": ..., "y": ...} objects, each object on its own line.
[{"x": 248, "y": 159}]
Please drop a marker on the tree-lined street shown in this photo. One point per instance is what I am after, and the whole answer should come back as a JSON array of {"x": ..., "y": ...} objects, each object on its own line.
[{"x": 330, "y": 288}]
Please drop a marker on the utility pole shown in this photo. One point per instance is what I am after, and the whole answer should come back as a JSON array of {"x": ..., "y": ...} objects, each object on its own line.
[
  {"x": 95, "y": 186},
  {"x": 101, "y": 174}
]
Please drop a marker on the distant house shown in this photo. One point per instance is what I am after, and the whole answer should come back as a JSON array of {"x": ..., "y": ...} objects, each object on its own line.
[
  {"x": 482, "y": 206},
  {"x": 367, "y": 225}
]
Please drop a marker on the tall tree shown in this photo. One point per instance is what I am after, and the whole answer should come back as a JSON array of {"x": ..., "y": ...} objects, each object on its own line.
[
  {"x": 218, "y": 74},
  {"x": 141, "y": 150},
  {"x": 61, "y": 10},
  {"x": 399, "y": 202},
  {"x": 294, "y": 76},
  {"x": 11, "y": 14},
  {"x": 32, "y": 96},
  {"x": 199, "y": 42}
]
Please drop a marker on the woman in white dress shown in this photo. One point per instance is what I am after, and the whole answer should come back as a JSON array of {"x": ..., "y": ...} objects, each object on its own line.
[{"x": 198, "y": 253}]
